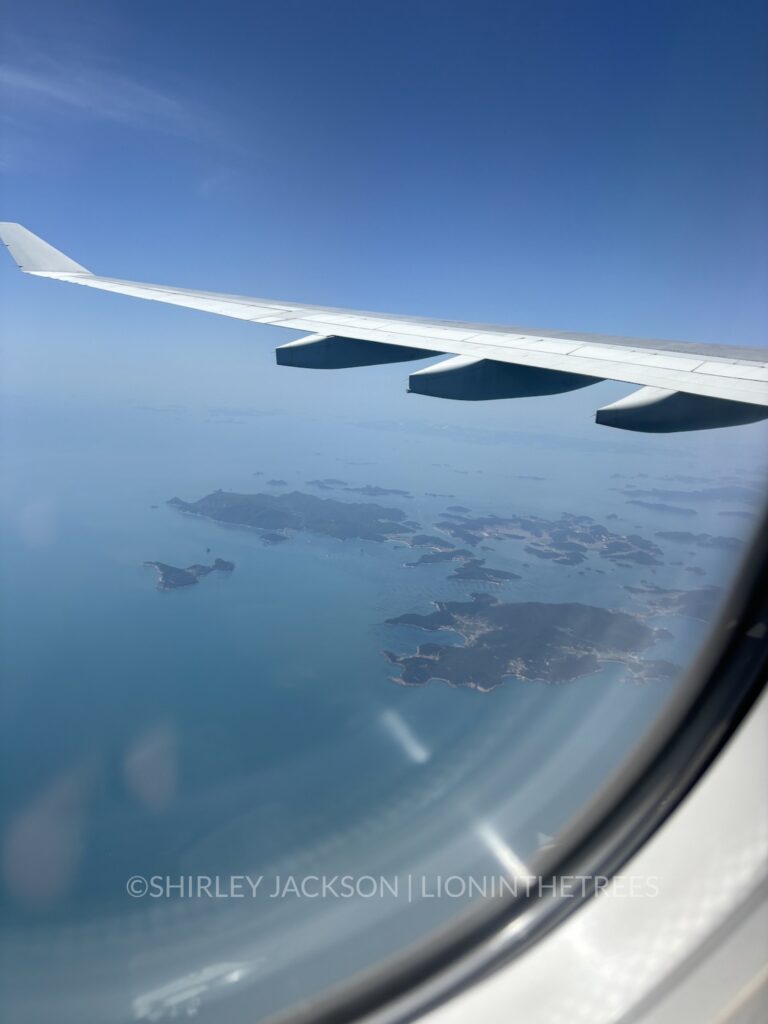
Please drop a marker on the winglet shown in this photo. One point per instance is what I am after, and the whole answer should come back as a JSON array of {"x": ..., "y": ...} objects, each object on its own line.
[{"x": 33, "y": 255}]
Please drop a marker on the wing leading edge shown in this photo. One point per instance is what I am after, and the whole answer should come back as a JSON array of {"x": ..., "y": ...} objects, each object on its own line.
[{"x": 682, "y": 386}]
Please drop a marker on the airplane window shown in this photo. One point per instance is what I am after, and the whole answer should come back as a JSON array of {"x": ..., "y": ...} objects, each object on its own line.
[
  {"x": 332, "y": 638},
  {"x": 289, "y": 690}
]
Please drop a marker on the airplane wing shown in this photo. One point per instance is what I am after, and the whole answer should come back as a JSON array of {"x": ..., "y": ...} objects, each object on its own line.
[{"x": 682, "y": 386}]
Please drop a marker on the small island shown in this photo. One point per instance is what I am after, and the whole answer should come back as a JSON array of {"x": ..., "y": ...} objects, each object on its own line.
[
  {"x": 476, "y": 569},
  {"x": 661, "y": 506},
  {"x": 172, "y": 577},
  {"x": 330, "y": 483}
]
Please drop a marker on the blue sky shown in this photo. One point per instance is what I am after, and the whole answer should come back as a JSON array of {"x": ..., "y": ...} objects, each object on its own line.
[{"x": 587, "y": 165}]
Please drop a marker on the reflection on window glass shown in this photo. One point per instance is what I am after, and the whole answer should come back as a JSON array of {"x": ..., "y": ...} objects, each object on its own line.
[{"x": 288, "y": 690}]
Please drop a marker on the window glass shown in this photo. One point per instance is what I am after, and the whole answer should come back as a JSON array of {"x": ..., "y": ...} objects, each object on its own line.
[{"x": 287, "y": 691}]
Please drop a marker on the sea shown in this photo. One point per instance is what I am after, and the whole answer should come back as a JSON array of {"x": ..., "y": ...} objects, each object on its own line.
[{"x": 250, "y": 723}]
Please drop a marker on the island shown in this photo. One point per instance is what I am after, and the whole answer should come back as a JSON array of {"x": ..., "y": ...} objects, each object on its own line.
[
  {"x": 373, "y": 491},
  {"x": 567, "y": 540},
  {"x": 430, "y": 540},
  {"x": 660, "y": 506},
  {"x": 531, "y": 640},
  {"x": 293, "y": 512},
  {"x": 330, "y": 483},
  {"x": 443, "y": 555},
  {"x": 702, "y": 603},
  {"x": 702, "y": 540},
  {"x": 747, "y": 495},
  {"x": 475, "y": 569},
  {"x": 499, "y": 639},
  {"x": 172, "y": 577},
  {"x": 488, "y": 640}
]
